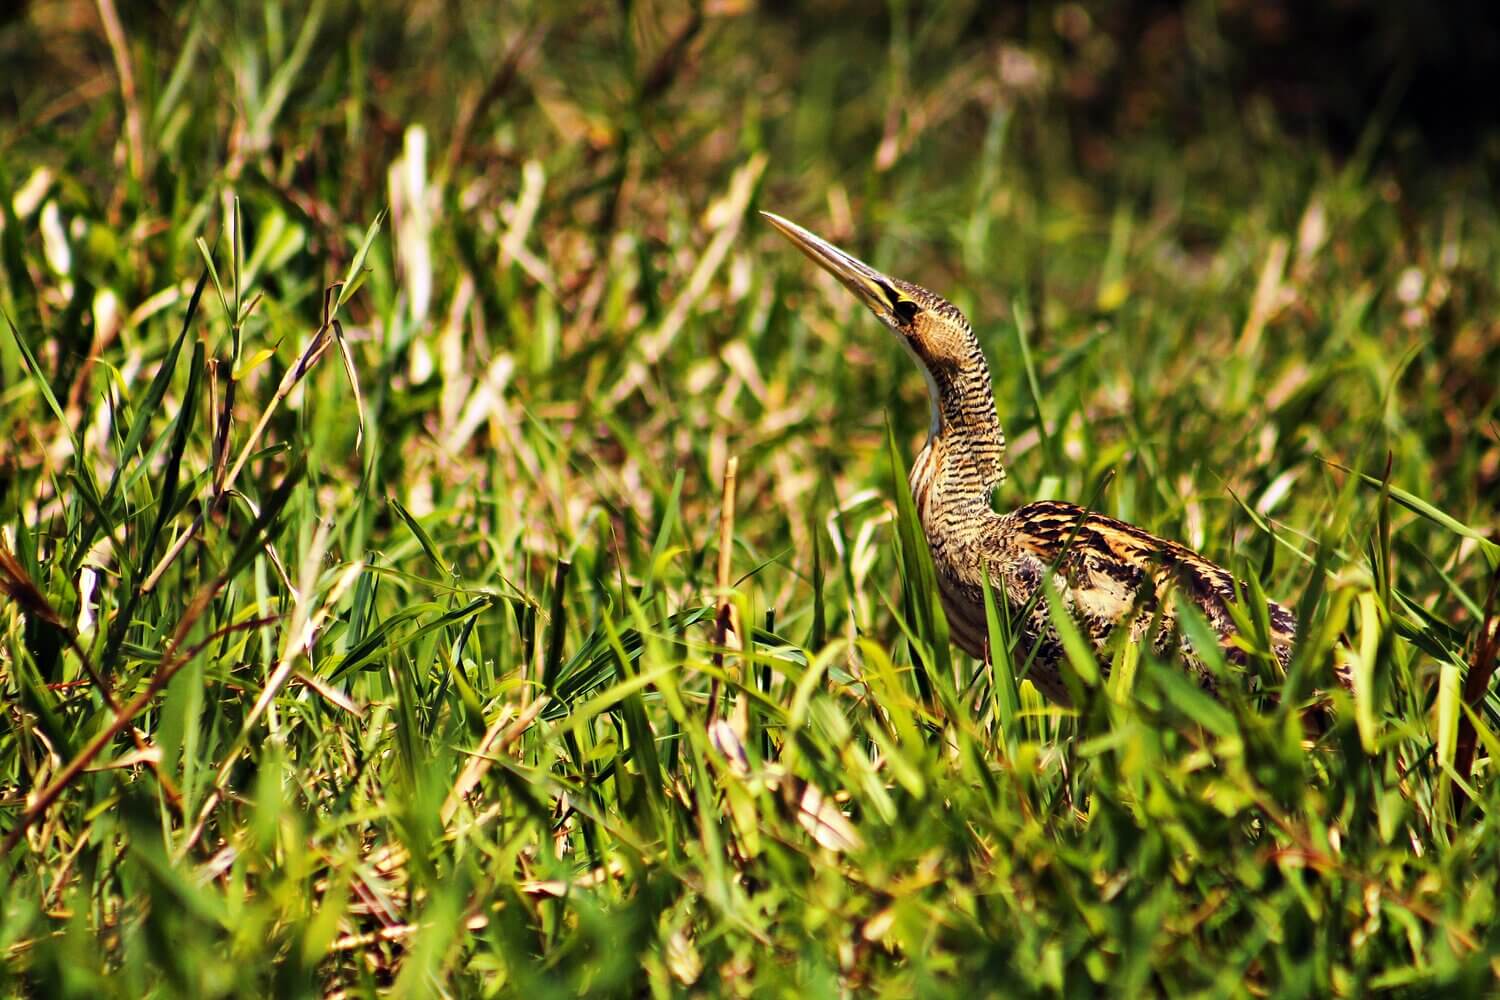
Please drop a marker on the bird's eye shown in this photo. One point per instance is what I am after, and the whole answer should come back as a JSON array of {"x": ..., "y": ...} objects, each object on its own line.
[{"x": 906, "y": 310}]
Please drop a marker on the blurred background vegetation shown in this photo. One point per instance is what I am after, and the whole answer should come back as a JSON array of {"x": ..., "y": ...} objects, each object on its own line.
[{"x": 361, "y": 639}]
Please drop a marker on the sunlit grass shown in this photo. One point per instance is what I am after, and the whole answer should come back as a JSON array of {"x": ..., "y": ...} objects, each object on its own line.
[{"x": 361, "y": 518}]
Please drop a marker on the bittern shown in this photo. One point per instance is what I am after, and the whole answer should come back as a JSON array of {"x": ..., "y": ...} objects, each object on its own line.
[{"x": 1107, "y": 574}]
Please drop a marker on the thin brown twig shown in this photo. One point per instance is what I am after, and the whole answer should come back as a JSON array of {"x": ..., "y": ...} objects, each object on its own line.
[
  {"x": 724, "y": 621},
  {"x": 1476, "y": 686},
  {"x": 86, "y": 92}
]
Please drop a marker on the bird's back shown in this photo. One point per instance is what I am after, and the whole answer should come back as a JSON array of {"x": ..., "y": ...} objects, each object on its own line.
[{"x": 1108, "y": 574}]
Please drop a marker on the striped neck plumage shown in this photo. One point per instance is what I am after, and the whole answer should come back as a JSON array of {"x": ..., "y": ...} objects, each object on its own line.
[{"x": 965, "y": 437}]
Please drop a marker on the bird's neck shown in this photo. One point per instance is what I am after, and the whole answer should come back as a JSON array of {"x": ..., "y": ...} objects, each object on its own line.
[{"x": 965, "y": 452}]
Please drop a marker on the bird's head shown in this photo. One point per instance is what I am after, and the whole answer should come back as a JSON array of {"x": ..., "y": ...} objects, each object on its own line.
[{"x": 934, "y": 329}]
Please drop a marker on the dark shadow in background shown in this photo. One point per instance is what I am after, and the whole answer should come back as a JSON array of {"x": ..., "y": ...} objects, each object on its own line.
[{"x": 1421, "y": 73}]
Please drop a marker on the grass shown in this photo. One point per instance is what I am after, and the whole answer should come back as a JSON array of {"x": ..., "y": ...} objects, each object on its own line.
[{"x": 369, "y": 381}]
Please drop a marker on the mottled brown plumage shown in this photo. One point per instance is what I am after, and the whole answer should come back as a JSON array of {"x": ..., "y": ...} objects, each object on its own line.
[{"x": 1109, "y": 574}]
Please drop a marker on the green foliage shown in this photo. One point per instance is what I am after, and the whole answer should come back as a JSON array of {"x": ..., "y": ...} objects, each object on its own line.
[{"x": 391, "y": 673}]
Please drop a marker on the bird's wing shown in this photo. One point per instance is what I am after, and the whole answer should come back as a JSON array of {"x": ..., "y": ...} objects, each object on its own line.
[{"x": 1105, "y": 564}]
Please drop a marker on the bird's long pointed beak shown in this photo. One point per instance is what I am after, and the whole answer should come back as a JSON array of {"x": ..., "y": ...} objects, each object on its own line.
[{"x": 869, "y": 285}]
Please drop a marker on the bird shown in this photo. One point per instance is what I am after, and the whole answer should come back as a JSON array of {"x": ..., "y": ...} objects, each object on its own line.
[{"x": 1107, "y": 574}]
